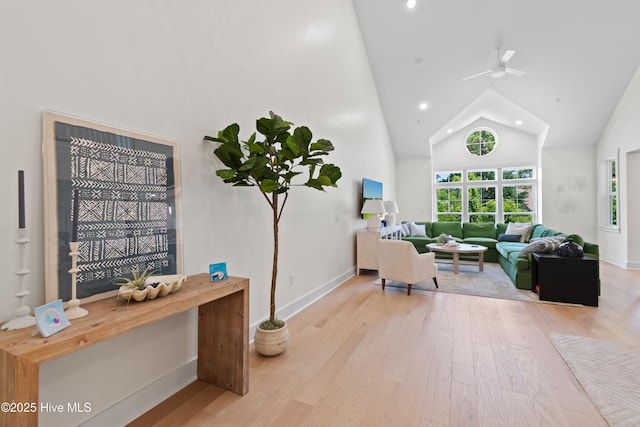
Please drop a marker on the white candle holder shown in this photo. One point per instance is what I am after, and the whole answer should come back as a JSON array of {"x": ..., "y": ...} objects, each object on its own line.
[
  {"x": 21, "y": 317},
  {"x": 74, "y": 310}
]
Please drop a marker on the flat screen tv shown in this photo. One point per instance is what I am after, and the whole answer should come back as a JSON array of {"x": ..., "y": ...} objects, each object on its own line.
[{"x": 370, "y": 190}]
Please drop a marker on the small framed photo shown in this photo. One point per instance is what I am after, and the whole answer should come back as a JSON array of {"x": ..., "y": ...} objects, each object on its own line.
[
  {"x": 50, "y": 318},
  {"x": 218, "y": 271}
]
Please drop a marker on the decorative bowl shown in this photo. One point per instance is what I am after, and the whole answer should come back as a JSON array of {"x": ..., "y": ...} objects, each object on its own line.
[{"x": 157, "y": 286}]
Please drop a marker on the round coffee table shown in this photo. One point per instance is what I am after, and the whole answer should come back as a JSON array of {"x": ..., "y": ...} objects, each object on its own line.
[{"x": 460, "y": 248}]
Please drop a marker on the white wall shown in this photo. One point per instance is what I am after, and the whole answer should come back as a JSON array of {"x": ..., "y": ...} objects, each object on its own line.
[
  {"x": 514, "y": 148},
  {"x": 620, "y": 138},
  {"x": 180, "y": 70},
  {"x": 414, "y": 190},
  {"x": 569, "y": 189}
]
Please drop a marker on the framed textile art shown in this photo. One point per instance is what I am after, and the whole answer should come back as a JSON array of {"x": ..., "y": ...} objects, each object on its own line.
[{"x": 127, "y": 188}]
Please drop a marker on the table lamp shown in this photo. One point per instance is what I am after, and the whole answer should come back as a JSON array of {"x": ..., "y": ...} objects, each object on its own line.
[
  {"x": 391, "y": 208},
  {"x": 374, "y": 208}
]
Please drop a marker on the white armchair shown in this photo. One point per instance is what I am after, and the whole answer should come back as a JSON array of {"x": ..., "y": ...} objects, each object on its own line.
[{"x": 399, "y": 261}]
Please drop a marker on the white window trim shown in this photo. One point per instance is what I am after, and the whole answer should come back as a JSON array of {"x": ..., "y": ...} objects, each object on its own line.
[
  {"x": 498, "y": 183},
  {"x": 605, "y": 224}
]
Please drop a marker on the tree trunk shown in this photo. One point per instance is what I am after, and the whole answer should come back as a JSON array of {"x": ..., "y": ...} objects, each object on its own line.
[{"x": 274, "y": 271}]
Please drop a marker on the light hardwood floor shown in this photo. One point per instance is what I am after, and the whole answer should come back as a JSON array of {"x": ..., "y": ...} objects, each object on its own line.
[{"x": 364, "y": 357}]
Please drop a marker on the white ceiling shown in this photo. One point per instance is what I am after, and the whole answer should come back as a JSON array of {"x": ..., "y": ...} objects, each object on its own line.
[{"x": 579, "y": 57}]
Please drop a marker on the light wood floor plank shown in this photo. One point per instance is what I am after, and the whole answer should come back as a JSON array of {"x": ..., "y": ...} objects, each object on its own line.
[{"x": 361, "y": 356}]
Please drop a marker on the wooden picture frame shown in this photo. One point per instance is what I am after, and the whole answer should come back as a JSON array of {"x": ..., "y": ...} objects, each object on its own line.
[{"x": 128, "y": 205}]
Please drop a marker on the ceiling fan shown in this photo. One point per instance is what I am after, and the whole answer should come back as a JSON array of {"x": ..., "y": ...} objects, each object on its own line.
[{"x": 501, "y": 69}]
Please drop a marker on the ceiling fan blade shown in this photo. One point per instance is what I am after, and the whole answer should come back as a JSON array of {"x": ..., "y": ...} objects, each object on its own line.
[
  {"x": 477, "y": 75},
  {"x": 507, "y": 56},
  {"x": 515, "y": 72}
]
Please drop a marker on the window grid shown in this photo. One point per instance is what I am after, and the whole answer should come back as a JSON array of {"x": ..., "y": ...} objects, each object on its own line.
[
  {"x": 612, "y": 190},
  {"x": 511, "y": 199}
]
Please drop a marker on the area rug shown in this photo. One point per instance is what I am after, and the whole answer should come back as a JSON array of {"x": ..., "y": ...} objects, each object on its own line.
[
  {"x": 609, "y": 374},
  {"x": 492, "y": 282}
]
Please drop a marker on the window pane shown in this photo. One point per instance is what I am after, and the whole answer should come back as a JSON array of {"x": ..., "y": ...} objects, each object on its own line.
[
  {"x": 613, "y": 210},
  {"x": 488, "y": 175},
  {"x": 450, "y": 217},
  {"x": 517, "y": 173},
  {"x": 518, "y": 218},
  {"x": 481, "y": 199},
  {"x": 482, "y": 218},
  {"x": 517, "y": 198},
  {"x": 448, "y": 177}
]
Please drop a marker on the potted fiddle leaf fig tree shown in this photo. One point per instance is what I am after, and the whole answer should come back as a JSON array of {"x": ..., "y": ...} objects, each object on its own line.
[{"x": 274, "y": 162}]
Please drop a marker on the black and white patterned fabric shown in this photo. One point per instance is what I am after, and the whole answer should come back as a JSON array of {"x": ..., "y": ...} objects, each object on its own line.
[
  {"x": 126, "y": 207},
  {"x": 542, "y": 245}
]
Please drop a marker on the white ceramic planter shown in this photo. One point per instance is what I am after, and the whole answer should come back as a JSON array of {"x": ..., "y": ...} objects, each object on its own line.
[{"x": 271, "y": 342}]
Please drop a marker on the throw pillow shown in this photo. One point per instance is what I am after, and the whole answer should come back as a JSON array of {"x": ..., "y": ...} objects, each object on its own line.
[
  {"x": 521, "y": 228},
  {"x": 542, "y": 244},
  {"x": 405, "y": 230},
  {"x": 417, "y": 230},
  {"x": 509, "y": 238}
]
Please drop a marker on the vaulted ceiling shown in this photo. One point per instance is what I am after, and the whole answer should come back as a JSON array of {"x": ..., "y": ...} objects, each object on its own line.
[{"x": 579, "y": 57}]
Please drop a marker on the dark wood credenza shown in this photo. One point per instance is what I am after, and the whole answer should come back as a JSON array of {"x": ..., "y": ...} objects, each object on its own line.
[{"x": 223, "y": 338}]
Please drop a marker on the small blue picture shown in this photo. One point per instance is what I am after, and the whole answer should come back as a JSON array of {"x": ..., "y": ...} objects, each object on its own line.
[
  {"x": 218, "y": 271},
  {"x": 50, "y": 318}
]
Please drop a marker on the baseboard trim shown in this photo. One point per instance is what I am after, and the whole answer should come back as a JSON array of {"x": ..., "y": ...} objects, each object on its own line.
[
  {"x": 136, "y": 404},
  {"x": 615, "y": 261},
  {"x": 306, "y": 300}
]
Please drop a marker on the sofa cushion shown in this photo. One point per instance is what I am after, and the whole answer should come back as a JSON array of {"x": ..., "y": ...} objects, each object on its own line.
[
  {"x": 420, "y": 242},
  {"x": 484, "y": 241},
  {"x": 509, "y": 238},
  {"x": 482, "y": 229},
  {"x": 522, "y": 228},
  {"x": 542, "y": 231},
  {"x": 501, "y": 228},
  {"x": 521, "y": 263},
  {"x": 417, "y": 230},
  {"x": 536, "y": 230},
  {"x": 505, "y": 248},
  {"x": 446, "y": 227}
]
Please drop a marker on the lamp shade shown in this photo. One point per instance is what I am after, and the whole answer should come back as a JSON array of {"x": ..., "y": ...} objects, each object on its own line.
[
  {"x": 373, "y": 206},
  {"x": 391, "y": 206}
]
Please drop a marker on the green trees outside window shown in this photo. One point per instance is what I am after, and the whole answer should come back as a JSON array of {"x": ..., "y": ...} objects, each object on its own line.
[
  {"x": 508, "y": 196},
  {"x": 481, "y": 141}
]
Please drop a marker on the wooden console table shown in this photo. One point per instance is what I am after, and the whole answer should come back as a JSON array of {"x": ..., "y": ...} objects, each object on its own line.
[{"x": 223, "y": 339}]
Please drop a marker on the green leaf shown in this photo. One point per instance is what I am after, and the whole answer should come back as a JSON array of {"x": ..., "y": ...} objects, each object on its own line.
[
  {"x": 302, "y": 137},
  {"x": 332, "y": 172},
  {"x": 229, "y": 155},
  {"x": 314, "y": 183},
  {"x": 226, "y": 174},
  {"x": 291, "y": 143},
  {"x": 269, "y": 185},
  {"x": 322, "y": 144}
]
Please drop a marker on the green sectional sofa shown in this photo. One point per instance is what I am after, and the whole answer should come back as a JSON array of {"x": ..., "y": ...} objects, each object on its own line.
[{"x": 503, "y": 252}]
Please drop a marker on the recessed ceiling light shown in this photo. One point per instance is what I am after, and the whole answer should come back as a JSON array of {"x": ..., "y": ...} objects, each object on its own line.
[
  {"x": 449, "y": 130},
  {"x": 424, "y": 105},
  {"x": 411, "y": 4},
  {"x": 518, "y": 122}
]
